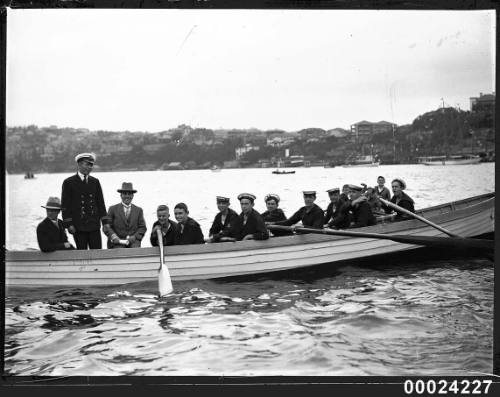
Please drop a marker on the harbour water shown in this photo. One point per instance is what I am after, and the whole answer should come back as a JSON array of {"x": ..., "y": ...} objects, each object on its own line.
[{"x": 427, "y": 314}]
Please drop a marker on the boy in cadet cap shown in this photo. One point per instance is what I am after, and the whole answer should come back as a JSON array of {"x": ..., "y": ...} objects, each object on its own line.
[
  {"x": 310, "y": 214},
  {"x": 223, "y": 221},
  {"x": 250, "y": 225},
  {"x": 83, "y": 204},
  {"x": 361, "y": 211},
  {"x": 50, "y": 232},
  {"x": 274, "y": 214}
]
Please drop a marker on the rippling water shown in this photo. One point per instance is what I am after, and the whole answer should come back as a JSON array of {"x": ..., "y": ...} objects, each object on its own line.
[{"x": 420, "y": 313}]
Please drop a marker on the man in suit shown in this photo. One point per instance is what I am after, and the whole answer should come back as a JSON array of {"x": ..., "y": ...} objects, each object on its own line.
[
  {"x": 50, "y": 232},
  {"x": 126, "y": 226},
  {"x": 188, "y": 230},
  {"x": 83, "y": 204}
]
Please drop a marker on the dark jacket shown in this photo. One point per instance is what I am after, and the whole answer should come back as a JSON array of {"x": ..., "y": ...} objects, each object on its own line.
[
  {"x": 341, "y": 218},
  {"x": 50, "y": 238},
  {"x": 220, "y": 229},
  {"x": 312, "y": 217},
  {"x": 405, "y": 202},
  {"x": 362, "y": 215},
  {"x": 168, "y": 237},
  {"x": 190, "y": 234},
  {"x": 254, "y": 225},
  {"x": 276, "y": 216},
  {"x": 386, "y": 195},
  {"x": 83, "y": 203}
]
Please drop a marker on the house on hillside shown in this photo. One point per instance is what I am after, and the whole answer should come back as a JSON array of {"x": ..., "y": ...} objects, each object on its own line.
[
  {"x": 368, "y": 129},
  {"x": 483, "y": 102}
]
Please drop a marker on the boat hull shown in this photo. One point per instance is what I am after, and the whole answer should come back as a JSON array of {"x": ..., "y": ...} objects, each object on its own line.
[
  {"x": 471, "y": 217},
  {"x": 361, "y": 165},
  {"x": 453, "y": 162}
]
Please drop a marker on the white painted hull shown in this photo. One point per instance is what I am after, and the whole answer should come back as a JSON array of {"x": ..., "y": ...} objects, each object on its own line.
[
  {"x": 453, "y": 162},
  {"x": 468, "y": 218},
  {"x": 361, "y": 165}
]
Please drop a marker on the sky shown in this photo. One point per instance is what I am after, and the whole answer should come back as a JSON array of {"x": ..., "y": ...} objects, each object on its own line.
[{"x": 151, "y": 70}]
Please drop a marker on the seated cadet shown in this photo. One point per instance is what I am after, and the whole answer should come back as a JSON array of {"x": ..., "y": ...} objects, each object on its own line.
[
  {"x": 50, "y": 232},
  {"x": 333, "y": 194},
  {"x": 188, "y": 231},
  {"x": 402, "y": 199},
  {"x": 165, "y": 225},
  {"x": 374, "y": 202},
  {"x": 310, "y": 214},
  {"x": 384, "y": 193},
  {"x": 361, "y": 212},
  {"x": 341, "y": 216},
  {"x": 127, "y": 225},
  {"x": 223, "y": 221},
  {"x": 250, "y": 225},
  {"x": 274, "y": 214}
]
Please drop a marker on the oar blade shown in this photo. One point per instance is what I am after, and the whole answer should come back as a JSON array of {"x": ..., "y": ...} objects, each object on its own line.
[{"x": 164, "y": 282}]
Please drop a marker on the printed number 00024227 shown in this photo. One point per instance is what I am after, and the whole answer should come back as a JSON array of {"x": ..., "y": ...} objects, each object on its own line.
[{"x": 442, "y": 386}]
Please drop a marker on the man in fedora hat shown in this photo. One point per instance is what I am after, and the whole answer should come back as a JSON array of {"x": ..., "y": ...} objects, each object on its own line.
[
  {"x": 126, "y": 226},
  {"x": 83, "y": 204},
  {"x": 50, "y": 232}
]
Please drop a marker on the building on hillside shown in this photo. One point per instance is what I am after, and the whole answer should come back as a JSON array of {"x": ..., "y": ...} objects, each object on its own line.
[
  {"x": 240, "y": 151},
  {"x": 483, "y": 102},
  {"x": 154, "y": 147},
  {"x": 368, "y": 129}
]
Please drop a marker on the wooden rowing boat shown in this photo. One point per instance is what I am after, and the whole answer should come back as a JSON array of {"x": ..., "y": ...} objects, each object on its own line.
[{"x": 470, "y": 217}]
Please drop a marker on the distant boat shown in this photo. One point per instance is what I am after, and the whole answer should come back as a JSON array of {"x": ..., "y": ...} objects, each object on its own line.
[
  {"x": 29, "y": 175},
  {"x": 215, "y": 169},
  {"x": 458, "y": 159},
  {"x": 362, "y": 161},
  {"x": 283, "y": 172}
]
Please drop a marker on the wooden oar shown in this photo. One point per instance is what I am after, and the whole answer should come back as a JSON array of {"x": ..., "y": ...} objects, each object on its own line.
[
  {"x": 164, "y": 280},
  {"x": 420, "y": 218},
  {"x": 459, "y": 242}
]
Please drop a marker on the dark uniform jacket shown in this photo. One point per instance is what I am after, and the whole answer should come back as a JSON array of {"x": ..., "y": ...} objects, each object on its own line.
[
  {"x": 190, "y": 234},
  {"x": 254, "y": 225},
  {"x": 168, "y": 237},
  {"x": 50, "y": 237},
  {"x": 276, "y": 216},
  {"x": 405, "y": 202},
  {"x": 341, "y": 217},
  {"x": 362, "y": 215},
  {"x": 312, "y": 217},
  {"x": 220, "y": 229},
  {"x": 135, "y": 225},
  {"x": 386, "y": 195},
  {"x": 83, "y": 203}
]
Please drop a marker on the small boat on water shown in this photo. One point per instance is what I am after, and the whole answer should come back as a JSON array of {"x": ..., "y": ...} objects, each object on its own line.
[
  {"x": 362, "y": 161},
  {"x": 215, "y": 168},
  {"x": 29, "y": 175},
  {"x": 280, "y": 172},
  {"x": 469, "y": 217},
  {"x": 458, "y": 159}
]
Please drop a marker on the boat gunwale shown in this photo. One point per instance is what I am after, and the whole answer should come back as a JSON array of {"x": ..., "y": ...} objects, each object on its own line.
[{"x": 253, "y": 245}]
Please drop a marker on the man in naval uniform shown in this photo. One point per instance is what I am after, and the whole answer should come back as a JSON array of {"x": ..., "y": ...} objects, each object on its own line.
[{"x": 83, "y": 204}]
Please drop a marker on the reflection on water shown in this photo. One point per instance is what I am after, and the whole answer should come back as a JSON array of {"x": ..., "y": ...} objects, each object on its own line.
[
  {"x": 412, "y": 314},
  {"x": 365, "y": 320}
]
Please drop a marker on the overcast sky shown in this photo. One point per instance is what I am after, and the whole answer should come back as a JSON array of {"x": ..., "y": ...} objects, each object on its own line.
[{"x": 151, "y": 70}]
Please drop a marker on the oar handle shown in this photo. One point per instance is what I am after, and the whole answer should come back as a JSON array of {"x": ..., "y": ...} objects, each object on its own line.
[
  {"x": 160, "y": 244},
  {"x": 420, "y": 218}
]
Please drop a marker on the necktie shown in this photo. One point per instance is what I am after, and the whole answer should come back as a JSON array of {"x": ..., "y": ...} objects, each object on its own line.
[
  {"x": 86, "y": 179},
  {"x": 127, "y": 212}
]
